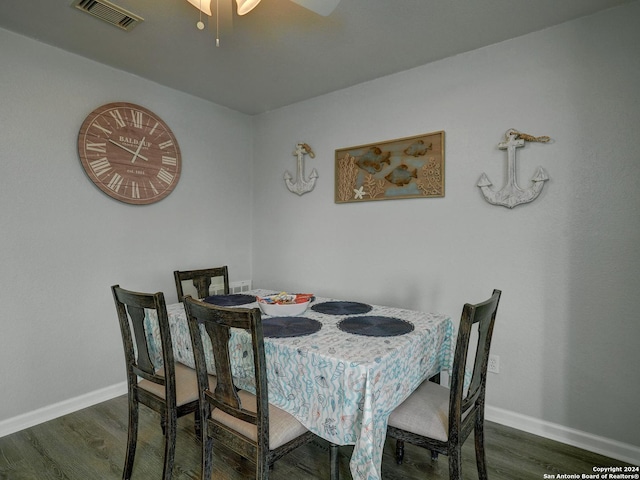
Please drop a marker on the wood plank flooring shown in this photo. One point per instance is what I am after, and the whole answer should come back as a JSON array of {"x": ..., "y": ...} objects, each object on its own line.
[{"x": 90, "y": 445}]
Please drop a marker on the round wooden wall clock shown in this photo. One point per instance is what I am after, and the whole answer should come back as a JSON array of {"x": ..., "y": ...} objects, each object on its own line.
[{"x": 129, "y": 153}]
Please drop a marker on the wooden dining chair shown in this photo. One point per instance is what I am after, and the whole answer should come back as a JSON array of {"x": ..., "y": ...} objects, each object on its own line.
[
  {"x": 201, "y": 280},
  {"x": 171, "y": 390},
  {"x": 243, "y": 422},
  {"x": 440, "y": 418}
]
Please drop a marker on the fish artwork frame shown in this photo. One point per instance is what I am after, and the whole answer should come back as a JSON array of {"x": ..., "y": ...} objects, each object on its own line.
[{"x": 410, "y": 167}]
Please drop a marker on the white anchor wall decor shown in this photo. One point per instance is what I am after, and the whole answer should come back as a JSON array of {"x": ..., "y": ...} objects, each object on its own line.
[
  {"x": 511, "y": 194},
  {"x": 301, "y": 185}
]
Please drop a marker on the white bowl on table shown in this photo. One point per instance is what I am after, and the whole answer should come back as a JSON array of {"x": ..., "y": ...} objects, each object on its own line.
[{"x": 284, "y": 305}]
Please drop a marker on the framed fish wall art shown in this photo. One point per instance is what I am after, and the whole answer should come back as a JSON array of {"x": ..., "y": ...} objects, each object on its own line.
[{"x": 411, "y": 167}]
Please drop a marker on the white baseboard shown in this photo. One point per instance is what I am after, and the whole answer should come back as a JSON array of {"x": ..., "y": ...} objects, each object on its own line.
[
  {"x": 587, "y": 441},
  {"x": 593, "y": 443},
  {"x": 56, "y": 410}
]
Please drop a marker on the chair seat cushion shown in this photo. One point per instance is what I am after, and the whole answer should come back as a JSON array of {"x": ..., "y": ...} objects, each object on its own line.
[
  {"x": 186, "y": 384},
  {"x": 283, "y": 427},
  {"x": 425, "y": 412}
]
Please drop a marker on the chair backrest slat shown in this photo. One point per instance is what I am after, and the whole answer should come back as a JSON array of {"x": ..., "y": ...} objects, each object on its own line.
[
  {"x": 225, "y": 394},
  {"x": 136, "y": 315}
]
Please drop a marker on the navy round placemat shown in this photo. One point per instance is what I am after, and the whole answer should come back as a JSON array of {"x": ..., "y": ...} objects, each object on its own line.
[
  {"x": 341, "y": 308},
  {"x": 230, "y": 300},
  {"x": 375, "y": 326},
  {"x": 282, "y": 327}
]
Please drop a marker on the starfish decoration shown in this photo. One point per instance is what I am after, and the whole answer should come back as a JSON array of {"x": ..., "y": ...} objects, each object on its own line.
[{"x": 358, "y": 193}]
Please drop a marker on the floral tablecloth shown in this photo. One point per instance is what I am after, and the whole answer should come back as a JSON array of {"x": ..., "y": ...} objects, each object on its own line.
[{"x": 341, "y": 386}]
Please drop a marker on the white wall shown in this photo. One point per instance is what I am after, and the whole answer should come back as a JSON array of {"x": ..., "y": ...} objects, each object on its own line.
[
  {"x": 567, "y": 331},
  {"x": 63, "y": 242}
]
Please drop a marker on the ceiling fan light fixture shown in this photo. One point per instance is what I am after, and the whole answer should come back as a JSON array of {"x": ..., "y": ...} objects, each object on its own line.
[
  {"x": 245, "y": 6},
  {"x": 203, "y": 5}
]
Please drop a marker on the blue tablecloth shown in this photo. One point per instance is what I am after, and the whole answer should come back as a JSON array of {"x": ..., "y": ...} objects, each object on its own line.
[{"x": 341, "y": 386}]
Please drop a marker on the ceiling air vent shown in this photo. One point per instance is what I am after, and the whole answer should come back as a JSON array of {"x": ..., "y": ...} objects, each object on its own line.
[{"x": 108, "y": 12}]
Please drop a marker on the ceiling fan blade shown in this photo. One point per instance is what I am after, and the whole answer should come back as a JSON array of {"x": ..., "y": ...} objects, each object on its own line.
[{"x": 321, "y": 7}]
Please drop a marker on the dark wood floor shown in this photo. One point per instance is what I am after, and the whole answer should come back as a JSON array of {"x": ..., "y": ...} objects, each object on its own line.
[{"x": 90, "y": 445}]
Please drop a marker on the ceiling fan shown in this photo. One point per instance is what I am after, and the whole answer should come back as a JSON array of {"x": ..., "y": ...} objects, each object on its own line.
[
  {"x": 223, "y": 8},
  {"x": 321, "y": 7}
]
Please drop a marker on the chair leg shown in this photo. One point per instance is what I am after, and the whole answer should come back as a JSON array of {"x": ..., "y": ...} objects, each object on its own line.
[
  {"x": 481, "y": 460},
  {"x": 399, "y": 451},
  {"x": 207, "y": 460},
  {"x": 197, "y": 424},
  {"x": 333, "y": 461},
  {"x": 455, "y": 463},
  {"x": 262, "y": 469},
  {"x": 169, "y": 445},
  {"x": 132, "y": 438}
]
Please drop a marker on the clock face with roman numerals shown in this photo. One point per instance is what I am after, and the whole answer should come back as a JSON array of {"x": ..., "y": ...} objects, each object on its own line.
[{"x": 129, "y": 153}]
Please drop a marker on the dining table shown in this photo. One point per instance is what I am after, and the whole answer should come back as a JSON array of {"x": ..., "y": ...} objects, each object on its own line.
[{"x": 340, "y": 367}]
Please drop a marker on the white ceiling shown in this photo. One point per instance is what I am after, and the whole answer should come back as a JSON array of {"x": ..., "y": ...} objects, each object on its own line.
[{"x": 281, "y": 53}]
